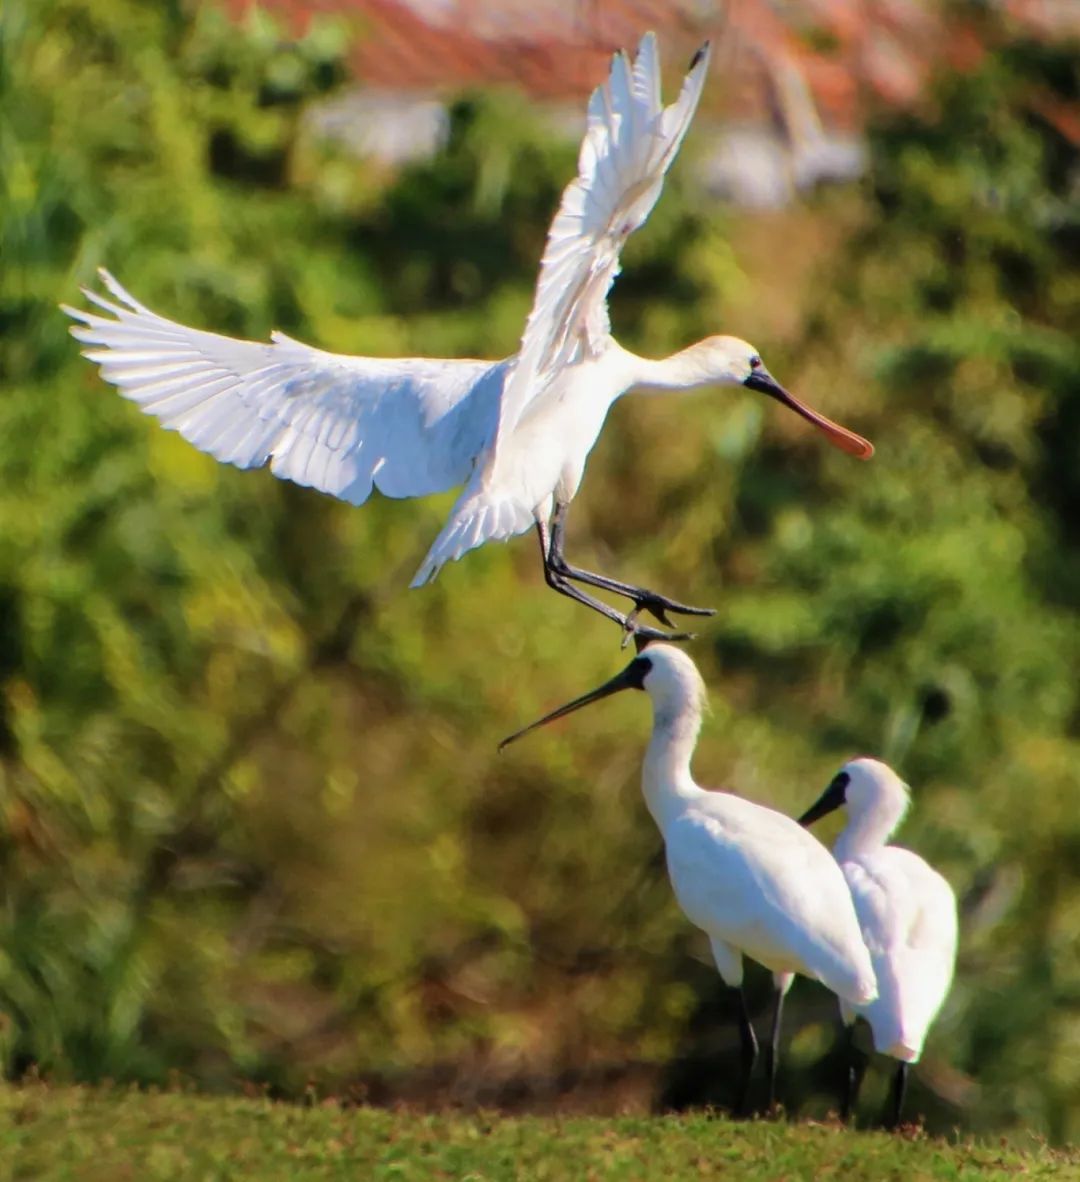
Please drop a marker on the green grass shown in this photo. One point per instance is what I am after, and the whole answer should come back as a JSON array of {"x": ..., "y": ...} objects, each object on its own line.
[{"x": 76, "y": 1133}]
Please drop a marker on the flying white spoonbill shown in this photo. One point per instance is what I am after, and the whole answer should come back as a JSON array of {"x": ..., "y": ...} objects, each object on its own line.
[
  {"x": 752, "y": 879},
  {"x": 516, "y": 432},
  {"x": 907, "y": 913}
]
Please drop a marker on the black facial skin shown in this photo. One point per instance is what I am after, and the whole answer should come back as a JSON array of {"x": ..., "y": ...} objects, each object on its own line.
[
  {"x": 632, "y": 677},
  {"x": 832, "y": 798},
  {"x": 764, "y": 383}
]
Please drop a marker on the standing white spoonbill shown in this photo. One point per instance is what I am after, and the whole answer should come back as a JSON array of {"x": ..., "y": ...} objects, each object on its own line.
[
  {"x": 907, "y": 913},
  {"x": 517, "y": 432},
  {"x": 754, "y": 881}
]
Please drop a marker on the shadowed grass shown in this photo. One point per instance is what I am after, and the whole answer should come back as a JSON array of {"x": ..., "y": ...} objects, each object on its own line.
[{"x": 85, "y": 1135}]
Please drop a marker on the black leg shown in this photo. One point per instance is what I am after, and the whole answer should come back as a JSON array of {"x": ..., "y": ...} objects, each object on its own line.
[
  {"x": 558, "y": 582},
  {"x": 772, "y": 1054},
  {"x": 749, "y": 1054},
  {"x": 644, "y": 599},
  {"x": 854, "y": 1070},
  {"x": 896, "y": 1096}
]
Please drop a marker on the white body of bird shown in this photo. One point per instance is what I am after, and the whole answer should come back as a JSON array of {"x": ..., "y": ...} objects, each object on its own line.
[
  {"x": 906, "y": 909},
  {"x": 743, "y": 873},
  {"x": 517, "y": 432},
  {"x": 544, "y": 462},
  {"x": 907, "y": 913},
  {"x": 751, "y": 878}
]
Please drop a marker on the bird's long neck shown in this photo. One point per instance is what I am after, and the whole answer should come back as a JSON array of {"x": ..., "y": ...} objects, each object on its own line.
[
  {"x": 869, "y": 831},
  {"x": 665, "y": 779},
  {"x": 681, "y": 371}
]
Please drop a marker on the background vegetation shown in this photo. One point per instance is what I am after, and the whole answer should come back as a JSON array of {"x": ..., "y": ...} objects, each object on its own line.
[{"x": 253, "y": 823}]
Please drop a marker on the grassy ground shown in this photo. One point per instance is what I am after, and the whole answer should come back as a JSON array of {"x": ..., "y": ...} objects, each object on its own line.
[{"x": 51, "y": 1133}]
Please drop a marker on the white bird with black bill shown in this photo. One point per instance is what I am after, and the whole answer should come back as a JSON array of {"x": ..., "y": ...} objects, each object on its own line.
[
  {"x": 751, "y": 878},
  {"x": 907, "y": 914},
  {"x": 516, "y": 433}
]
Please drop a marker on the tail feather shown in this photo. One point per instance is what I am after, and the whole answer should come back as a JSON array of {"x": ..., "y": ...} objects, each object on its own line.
[
  {"x": 895, "y": 1033},
  {"x": 850, "y": 975},
  {"x": 475, "y": 520},
  {"x": 913, "y": 990}
]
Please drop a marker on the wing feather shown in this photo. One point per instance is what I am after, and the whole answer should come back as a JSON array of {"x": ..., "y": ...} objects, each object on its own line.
[
  {"x": 340, "y": 424},
  {"x": 753, "y": 878},
  {"x": 907, "y": 914},
  {"x": 629, "y": 144}
]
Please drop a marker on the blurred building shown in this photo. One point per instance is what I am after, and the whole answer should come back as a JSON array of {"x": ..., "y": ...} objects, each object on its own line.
[{"x": 794, "y": 80}]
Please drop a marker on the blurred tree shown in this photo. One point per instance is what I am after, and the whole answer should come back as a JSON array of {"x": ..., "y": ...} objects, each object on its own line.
[
  {"x": 245, "y": 820},
  {"x": 927, "y": 609}
]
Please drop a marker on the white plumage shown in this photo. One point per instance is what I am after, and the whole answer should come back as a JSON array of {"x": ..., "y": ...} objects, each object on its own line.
[
  {"x": 517, "y": 432},
  {"x": 751, "y": 878},
  {"x": 630, "y": 142},
  {"x": 906, "y": 911},
  {"x": 339, "y": 424}
]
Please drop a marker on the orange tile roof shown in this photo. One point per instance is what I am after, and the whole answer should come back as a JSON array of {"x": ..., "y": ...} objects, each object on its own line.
[{"x": 851, "y": 53}]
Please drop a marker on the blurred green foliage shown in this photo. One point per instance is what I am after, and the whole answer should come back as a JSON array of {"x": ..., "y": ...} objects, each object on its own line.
[{"x": 254, "y": 826}]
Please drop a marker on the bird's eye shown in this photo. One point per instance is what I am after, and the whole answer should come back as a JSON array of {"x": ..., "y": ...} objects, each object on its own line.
[{"x": 755, "y": 362}]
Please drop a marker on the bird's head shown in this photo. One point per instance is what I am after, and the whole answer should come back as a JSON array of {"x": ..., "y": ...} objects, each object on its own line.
[
  {"x": 728, "y": 360},
  {"x": 664, "y": 672},
  {"x": 864, "y": 786},
  {"x": 732, "y": 362},
  {"x": 671, "y": 679}
]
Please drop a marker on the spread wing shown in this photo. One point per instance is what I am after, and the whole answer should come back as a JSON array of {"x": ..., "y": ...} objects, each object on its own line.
[
  {"x": 629, "y": 144},
  {"x": 339, "y": 424}
]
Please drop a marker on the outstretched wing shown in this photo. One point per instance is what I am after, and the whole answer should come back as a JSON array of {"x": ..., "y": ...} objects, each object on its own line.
[
  {"x": 629, "y": 144},
  {"x": 339, "y": 424}
]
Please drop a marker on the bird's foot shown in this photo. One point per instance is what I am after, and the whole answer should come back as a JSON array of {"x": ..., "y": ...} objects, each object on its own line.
[
  {"x": 641, "y": 634},
  {"x": 660, "y": 605}
]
